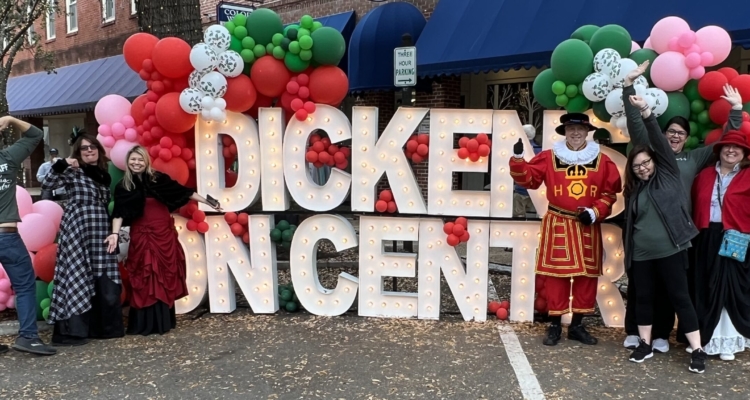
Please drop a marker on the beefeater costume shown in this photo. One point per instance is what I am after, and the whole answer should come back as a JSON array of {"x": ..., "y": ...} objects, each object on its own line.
[{"x": 582, "y": 186}]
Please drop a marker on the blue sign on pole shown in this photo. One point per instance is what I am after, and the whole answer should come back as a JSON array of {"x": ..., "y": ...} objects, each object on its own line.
[{"x": 226, "y": 11}]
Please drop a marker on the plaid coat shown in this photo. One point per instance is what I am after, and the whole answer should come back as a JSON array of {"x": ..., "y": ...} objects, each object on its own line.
[{"x": 81, "y": 253}]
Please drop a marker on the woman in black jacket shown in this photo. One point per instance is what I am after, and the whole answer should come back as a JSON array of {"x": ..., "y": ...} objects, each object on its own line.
[{"x": 656, "y": 213}]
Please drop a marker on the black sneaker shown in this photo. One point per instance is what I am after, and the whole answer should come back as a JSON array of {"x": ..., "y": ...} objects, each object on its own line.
[
  {"x": 580, "y": 334},
  {"x": 642, "y": 352},
  {"x": 698, "y": 361},
  {"x": 554, "y": 334},
  {"x": 3, "y": 348},
  {"x": 33, "y": 346}
]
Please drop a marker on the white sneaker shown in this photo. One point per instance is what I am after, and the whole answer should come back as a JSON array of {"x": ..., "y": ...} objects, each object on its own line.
[
  {"x": 661, "y": 345},
  {"x": 689, "y": 349},
  {"x": 631, "y": 342},
  {"x": 727, "y": 357}
]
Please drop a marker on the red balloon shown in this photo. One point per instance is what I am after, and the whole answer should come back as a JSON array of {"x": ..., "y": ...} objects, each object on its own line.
[
  {"x": 332, "y": 149},
  {"x": 540, "y": 305},
  {"x": 423, "y": 138},
  {"x": 171, "y": 57},
  {"x": 144, "y": 75},
  {"x": 482, "y": 138},
  {"x": 297, "y": 104},
  {"x": 745, "y": 127},
  {"x": 416, "y": 158},
  {"x": 199, "y": 216},
  {"x": 462, "y": 221},
  {"x": 309, "y": 107},
  {"x": 346, "y": 151},
  {"x": 409, "y": 154},
  {"x": 742, "y": 84},
  {"x": 292, "y": 87},
  {"x": 463, "y": 153},
  {"x": 44, "y": 262},
  {"x": 203, "y": 227},
  {"x": 241, "y": 94},
  {"x": 483, "y": 150},
  {"x": 472, "y": 145},
  {"x": 237, "y": 229},
  {"x": 719, "y": 111},
  {"x": 192, "y": 225},
  {"x": 342, "y": 165},
  {"x": 463, "y": 141},
  {"x": 246, "y": 237},
  {"x": 176, "y": 168},
  {"x": 711, "y": 86},
  {"x": 149, "y": 109},
  {"x": 270, "y": 76},
  {"x": 422, "y": 150},
  {"x": 230, "y": 217},
  {"x": 328, "y": 85},
  {"x": 170, "y": 115},
  {"x": 311, "y": 156},
  {"x": 458, "y": 229},
  {"x": 176, "y": 151},
  {"x": 318, "y": 146},
  {"x": 138, "y": 48},
  {"x": 153, "y": 151},
  {"x": 464, "y": 237},
  {"x": 324, "y": 157},
  {"x": 157, "y": 87},
  {"x": 226, "y": 140},
  {"x": 165, "y": 154},
  {"x": 286, "y": 101},
  {"x": 381, "y": 205},
  {"x": 448, "y": 228},
  {"x": 148, "y": 64},
  {"x": 242, "y": 218},
  {"x": 137, "y": 109},
  {"x": 230, "y": 178},
  {"x": 303, "y": 93},
  {"x": 713, "y": 136},
  {"x": 326, "y": 141},
  {"x": 474, "y": 157},
  {"x": 180, "y": 84},
  {"x": 386, "y": 195},
  {"x": 411, "y": 145},
  {"x": 318, "y": 164},
  {"x": 392, "y": 207},
  {"x": 314, "y": 138},
  {"x": 505, "y": 304},
  {"x": 260, "y": 102},
  {"x": 493, "y": 307},
  {"x": 339, "y": 157},
  {"x": 453, "y": 240},
  {"x": 539, "y": 281},
  {"x": 301, "y": 114},
  {"x": 730, "y": 73},
  {"x": 304, "y": 78},
  {"x": 165, "y": 141}
]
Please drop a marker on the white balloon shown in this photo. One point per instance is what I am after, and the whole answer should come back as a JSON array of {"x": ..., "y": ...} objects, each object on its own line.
[
  {"x": 659, "y": 101},
  {"x": 623, "y": 68},
  {"x": 214, "y": 84},
  {"x": 190, "y": 100},
  {"x": 202, "y": 58},
  {"x": 230, "y": 64},
  {"x": 220, "y": 103},
  {"x": 640, "y": 90},
  {"x": 614, "y": 104},
  {"x": 207, "y": 102},
  {"x": 622, "y": 123},
  {"x": 194, "y": 80},
  {"x": 218, "y": 37},
  {"x": 641, "y": 80},
  {"x": 596, "y": 87},
  {"x": 206, "y": 113},
  {"x": 217, "y": 114},
  {"x": 605, "y": 60}
]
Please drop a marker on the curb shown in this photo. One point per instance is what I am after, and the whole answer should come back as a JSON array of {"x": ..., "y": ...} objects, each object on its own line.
[{"x": 10, "y": 328}]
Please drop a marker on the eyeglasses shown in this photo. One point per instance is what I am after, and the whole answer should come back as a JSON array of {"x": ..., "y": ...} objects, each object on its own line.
[
  {"x": 87, "y": 147},
  {"x": 645, "y": 164},
  {"x": 673, "y": 132}
]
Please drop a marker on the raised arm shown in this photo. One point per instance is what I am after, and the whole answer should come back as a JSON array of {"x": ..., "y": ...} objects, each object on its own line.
[
  {"x": 636, "y": 127},
  {"x": 30, "y": 138},
  {"x": 702, "y": 155},
  {"x": 662, "y": 151},
  {"x": 529, "y": 175},
  {"x": 61, "y": 173}
]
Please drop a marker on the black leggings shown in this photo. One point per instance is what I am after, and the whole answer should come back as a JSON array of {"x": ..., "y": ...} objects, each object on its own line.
[{"x": 673, "y": 273}]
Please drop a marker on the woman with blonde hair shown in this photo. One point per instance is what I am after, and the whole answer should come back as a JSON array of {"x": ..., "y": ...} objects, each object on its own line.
[{"x": 144, "y": 200}]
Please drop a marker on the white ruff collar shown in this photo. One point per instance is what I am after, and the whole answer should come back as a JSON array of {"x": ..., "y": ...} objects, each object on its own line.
[{"x": 572, "y": 157}]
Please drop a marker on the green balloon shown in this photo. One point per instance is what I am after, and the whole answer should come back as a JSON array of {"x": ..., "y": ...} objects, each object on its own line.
[
  {"x": 600, "y": 111},
  {"x": 612, "y": 37},
  {"x": 692, "y": 142},
  {"x": 678, "y": 105},
  {"x": 571, "y": 91},
  {"x": 239, "y": 20},
  {"x": 292, "y": 26},
  {"x": 306, "y": 42},
  {"x": 235, "y": 44},
  {"x": 231, "y": 26},
  {"x": 248, "y": 43},
  {"x": 703, "y": 117},
  {"x": 303, "y": 32},
  {"x": 111, "y": 207},
  {"x": 50, "y": 288},
  {"x": 287, "y": 235},
  {"x": 247, "y": 56},
  {"x": 629, "y": 148},
  {"x": 45, "y": 313},
  {"x": 41, "y": 294},
  {"x": 262, "y": 24},
  {"x": 305, "y": 55},
  {"x": 294, "y": 47},
  {"x": 317, "y": 25},
  {"x": 269, "y": 48},
  {"x": 696, "y": 106},
  {"x": 278, "y": 53},
  {"x": 330, "y": 46},
  {"x": 306, "y": 21},
  {"x": 294, "y": 63},
  {"x": 293, "y": 227},
  {"x": 286, "y": 295},
  {"x": 691, "y": 90},
  {"x": 276, "y": 234},
  {"x": 542, "y": 89},
  {"x": 281, "y": 288},
  {"x": 558, "y": 88},
  {"x": 282, "y": 304},
  {"x": 45, "y": 303},
  {"x": 116, "y": 174},
  {"x": 584, "y": 33},
  {"x": 246, "y": 69},
  {"x": 694, "y": 131},
  {"x": 285, "y": 244},
  {"x": 704, "y": 134},
  {"x": 291, "y": 306},
  {"x": 746, "y": 107},
  {"x": 282, "y": 225},
  {"x": 276, "y": 39},
  {"x": 572, "y": 61},
  {"x": 577, "y": 104},
  {"x": 639, "y": 56},
  {"x": 259, "y": 50},
  {"x": 240, "y": 32},
  {"x": 562, "y": 100}
]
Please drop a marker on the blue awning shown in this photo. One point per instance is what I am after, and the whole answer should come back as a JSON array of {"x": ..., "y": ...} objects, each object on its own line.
[
  {"x": 75, "y": 88},
  {"x": 470, "y": 36},
  {"x": 343, "y": 22},
  {"x": 376, "y": 35}
]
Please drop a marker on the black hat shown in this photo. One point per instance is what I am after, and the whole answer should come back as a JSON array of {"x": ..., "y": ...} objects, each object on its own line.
[
  {"x": 53, "y": 150},
  {"x": 574, "y": 119}
]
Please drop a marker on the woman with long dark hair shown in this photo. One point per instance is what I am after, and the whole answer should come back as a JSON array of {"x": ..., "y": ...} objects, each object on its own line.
[
  {"x": 144, "y": 200},
  {"x": 86, "y": 295},
  {"x": 658, "y": 230}
]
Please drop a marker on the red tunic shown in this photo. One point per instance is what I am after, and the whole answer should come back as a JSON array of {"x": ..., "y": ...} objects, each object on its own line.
[
  {"x": 568, "y": 248},
  {"x": 735, "y": 212}
]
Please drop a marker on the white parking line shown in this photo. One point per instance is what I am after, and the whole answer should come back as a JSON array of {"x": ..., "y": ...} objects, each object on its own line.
[{"x": 525, "y": 375}]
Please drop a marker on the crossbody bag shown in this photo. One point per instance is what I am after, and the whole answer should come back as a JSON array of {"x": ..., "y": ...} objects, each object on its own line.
[{"x": 734, "y": 243}]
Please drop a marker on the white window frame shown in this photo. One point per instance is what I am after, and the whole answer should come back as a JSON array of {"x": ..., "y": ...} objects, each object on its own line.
[
  {"x": 31, "y": 29},
  {"x": 71, "y": 18},
  {"x": 133, "y": 8},
  {"x": 106, "y": 18},
  {"x": 50, "y": 23}
]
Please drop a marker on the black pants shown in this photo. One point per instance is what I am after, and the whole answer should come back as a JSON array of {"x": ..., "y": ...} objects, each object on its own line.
[
  {"x": 663, "y": 310},
  {"x": 672, "y": 270}
]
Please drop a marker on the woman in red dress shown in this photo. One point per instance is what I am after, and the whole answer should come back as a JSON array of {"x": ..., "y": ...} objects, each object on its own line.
[{"x": 144, "y": 200}]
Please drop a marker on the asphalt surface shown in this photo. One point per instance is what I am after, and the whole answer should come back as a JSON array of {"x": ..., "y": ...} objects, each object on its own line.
[{"x": 244, "y": 356}]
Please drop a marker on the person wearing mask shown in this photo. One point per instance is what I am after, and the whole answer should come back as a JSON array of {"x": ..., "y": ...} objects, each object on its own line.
[
  {"x": 690, "y": 164},
  {"x": 144, "y": 200},
  {"x": 721, "y": 207},
  {"x": 86, "y": 296},
  {"x": 658, "y": 231},
  {"x": 521, "y": 201},
  {"x": 13, "y": 254},
  {"x": 582, "y": 185}
]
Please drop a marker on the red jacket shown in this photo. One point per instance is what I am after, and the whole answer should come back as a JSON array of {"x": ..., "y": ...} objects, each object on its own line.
[{"x": 735, "y": 212}]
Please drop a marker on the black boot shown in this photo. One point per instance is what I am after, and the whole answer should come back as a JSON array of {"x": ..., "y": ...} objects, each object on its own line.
[
  {"x": 554, "y": 334},
  {"x": 580, "y": 334}
]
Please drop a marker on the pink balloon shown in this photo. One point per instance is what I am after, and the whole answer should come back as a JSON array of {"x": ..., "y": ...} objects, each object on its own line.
[
  {"x": 128, "y": 121},
  {"x": 692, "y": 49},
  {"x": 110, "y": 109},
  {"x": 105, "y": 130},
  {"x": 634, "y": 47},
  {"x": 697, "y": 72},
  {"x": 49, "y": 209},
  {"x": 693, "y": 60},
  {"x": 716, "y": 41},
  {"x": 686, "y": 39},
  {"x": 669, "y": 71},
  {"x": 647, "y": 44},
  {"x": 4, "y": 297},
  {"x": 32, "y": 255},
  {"x": 106, "y": 141},
  {"x": 24, "y": 202},
  {"x": 119, "y": 152},
  {"x": 118, "y": 130},
  {"x": 37, "y": 231},
  {"x": 673, "y": 45},
  {"x": 11, "y": 303},
  {"x": 4, "y": 285},
  {"x": 707, "y": 59},
  {"x": 666, "y": 29},
  {"x": 131, "y": 135}
]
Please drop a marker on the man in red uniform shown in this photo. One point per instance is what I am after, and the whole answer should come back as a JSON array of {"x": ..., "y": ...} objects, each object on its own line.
[{"x": 582, "y": 185}]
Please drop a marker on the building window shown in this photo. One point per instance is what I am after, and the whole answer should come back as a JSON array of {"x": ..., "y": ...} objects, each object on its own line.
[
  {"x": 108, "y": 10},
  {"x": 31, "y": 32},
  {"x": 51, "y": 23},
  {"x": 133, "y": 7},
  {"x": 72, "y": 10}
]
